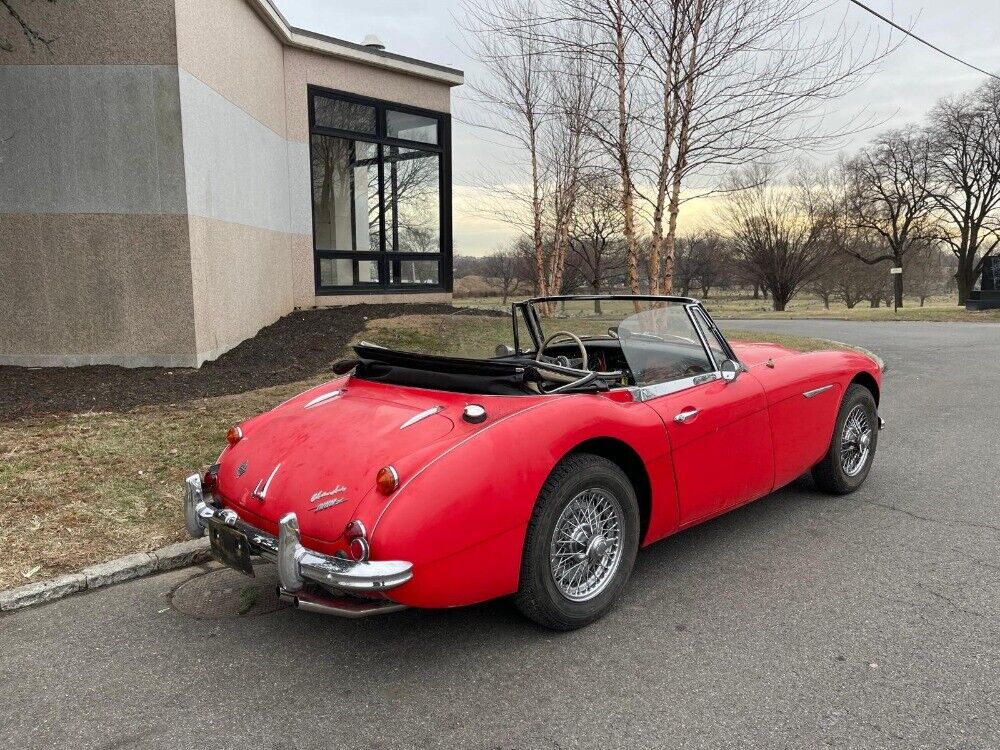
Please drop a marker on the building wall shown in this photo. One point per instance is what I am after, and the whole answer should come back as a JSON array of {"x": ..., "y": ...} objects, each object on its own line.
[
  {"x": 93, "y": 236},
  {"x": 155, "y": 202},
  {"x": 246, "y": 157}
]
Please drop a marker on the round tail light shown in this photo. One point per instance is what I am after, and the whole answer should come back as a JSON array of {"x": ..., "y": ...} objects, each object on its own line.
[
  {"x": 234, "y": 435},
  {"x": 387, "y": 480}
]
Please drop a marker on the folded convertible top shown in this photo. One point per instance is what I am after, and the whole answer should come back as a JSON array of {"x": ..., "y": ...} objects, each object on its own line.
[{"x": 457, "y": 374}]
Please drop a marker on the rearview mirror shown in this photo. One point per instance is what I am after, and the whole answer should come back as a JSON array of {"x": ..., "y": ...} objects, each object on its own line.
[{"x": 729, "y": 370}]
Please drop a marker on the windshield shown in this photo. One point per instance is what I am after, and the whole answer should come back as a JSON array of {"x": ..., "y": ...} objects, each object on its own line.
[{"x": 657, "y": 338}]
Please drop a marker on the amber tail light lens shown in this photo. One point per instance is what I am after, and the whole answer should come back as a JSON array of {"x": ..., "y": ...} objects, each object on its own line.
[
  {"x": 387, "y": 480},
  {"x": 234, "y": 435}
]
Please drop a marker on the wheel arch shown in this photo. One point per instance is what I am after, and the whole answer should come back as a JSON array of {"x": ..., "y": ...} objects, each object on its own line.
[
  {"x": 621, "y": 453},
  {"x": 868, "y": 381}
]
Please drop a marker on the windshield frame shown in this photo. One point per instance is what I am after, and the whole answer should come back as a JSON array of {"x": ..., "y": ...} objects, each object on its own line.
[{"x": 527, "y": 312}]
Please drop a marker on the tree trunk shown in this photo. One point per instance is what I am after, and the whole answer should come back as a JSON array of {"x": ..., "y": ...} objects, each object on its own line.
[
  {"x": 964, "y": 285},
  {"x": 780, "y": 300},
  {"x": 628, "y": 209}
]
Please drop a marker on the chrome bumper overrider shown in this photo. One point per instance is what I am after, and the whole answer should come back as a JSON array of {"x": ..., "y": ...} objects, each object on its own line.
[{"x": 296, "y": 564}]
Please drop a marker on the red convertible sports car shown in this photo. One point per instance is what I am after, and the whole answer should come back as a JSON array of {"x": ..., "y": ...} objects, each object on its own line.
[{"x": 612, "y": 422}]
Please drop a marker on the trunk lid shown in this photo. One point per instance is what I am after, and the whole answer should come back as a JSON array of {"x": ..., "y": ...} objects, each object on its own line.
[{"x": 318, "y": 454}]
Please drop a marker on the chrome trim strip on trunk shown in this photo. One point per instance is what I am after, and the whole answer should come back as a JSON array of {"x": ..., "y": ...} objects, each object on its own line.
[
  {"x": 422, "y": 415},
  {"x": 817, "y": 391},
  {"x": 320, "y": 399}
]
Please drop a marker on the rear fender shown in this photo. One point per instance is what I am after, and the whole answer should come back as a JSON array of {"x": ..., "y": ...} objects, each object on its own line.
[{"x": 462, "y": 518}]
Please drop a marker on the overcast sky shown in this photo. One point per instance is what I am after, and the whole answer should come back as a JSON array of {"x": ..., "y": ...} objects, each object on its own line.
[{"x": 905, "y": 87}]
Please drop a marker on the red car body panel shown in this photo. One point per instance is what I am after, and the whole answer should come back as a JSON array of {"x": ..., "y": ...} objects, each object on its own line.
[{"x": 467, "y": 491}]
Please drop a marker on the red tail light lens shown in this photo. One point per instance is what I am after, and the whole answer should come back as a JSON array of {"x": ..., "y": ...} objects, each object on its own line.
[
  {"x": 211, "y": 477},
  {"x": 234, "y": 435},
  {"x": 387, "y": 480}
]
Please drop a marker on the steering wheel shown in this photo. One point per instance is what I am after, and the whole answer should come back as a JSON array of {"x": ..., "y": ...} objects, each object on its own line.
[{"x": 566, "y": 334}]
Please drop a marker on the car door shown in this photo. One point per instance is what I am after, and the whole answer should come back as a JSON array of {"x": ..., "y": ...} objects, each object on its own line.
[
  {"x": 721, "y": 445},
  {"x": 719, "y": 431}
]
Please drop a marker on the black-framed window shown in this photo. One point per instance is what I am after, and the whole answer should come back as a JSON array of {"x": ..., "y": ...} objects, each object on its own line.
[{"x": 381, "y": 195}]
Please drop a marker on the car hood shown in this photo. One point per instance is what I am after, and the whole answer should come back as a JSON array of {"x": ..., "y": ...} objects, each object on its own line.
[
  {"x": 318, "y": 454},
  {"x": 759, "y": 352}
]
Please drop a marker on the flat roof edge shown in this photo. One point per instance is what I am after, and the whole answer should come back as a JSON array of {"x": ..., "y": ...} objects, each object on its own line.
[{"x": 333, "y": 47}]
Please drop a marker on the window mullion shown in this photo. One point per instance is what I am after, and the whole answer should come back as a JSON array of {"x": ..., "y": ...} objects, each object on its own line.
[{"x": 383, "y": 267}]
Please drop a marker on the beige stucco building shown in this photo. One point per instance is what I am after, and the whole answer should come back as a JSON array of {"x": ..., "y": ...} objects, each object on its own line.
[{"x": 177, "y": 174}]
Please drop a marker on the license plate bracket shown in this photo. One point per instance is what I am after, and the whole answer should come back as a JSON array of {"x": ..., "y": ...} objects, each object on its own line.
[{"x": 231, "y": 547}]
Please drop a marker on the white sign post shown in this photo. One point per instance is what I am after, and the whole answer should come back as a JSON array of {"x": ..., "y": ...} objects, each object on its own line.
[{"x": 897, "y": 278}]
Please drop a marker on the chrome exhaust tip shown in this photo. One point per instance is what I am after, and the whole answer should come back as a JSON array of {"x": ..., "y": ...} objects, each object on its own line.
[{"x": 348, "y": 607}]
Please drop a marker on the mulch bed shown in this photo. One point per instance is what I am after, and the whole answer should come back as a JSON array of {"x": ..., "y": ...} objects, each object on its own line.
[{"x": 300, "y": 345}]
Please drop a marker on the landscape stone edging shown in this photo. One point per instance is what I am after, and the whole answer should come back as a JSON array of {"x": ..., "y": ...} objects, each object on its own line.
[{"x": 136, "y": 565}]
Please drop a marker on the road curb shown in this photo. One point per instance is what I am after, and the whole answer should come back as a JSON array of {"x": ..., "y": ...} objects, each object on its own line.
[{"x": 127, "y": 568}]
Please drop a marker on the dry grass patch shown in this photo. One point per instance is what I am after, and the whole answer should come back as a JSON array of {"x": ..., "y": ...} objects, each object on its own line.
[{"x": 86, "y": 488}]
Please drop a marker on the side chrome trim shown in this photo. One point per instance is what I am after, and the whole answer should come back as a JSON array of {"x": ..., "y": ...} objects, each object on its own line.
[
  {"x": 649, "y": 392},
  {"x": 817, "y": 391},
  {"x": 422, "y": 415}
]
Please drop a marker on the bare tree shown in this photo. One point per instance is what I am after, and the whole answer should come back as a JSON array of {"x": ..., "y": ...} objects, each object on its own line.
[
  {"x": 740, "y": 80},
  {"x": 889, "y": 193},
  {"x": 567, "y": 154},
  {"x": 775, "y": 230},
  {"x": 502, "y": 269},
  {"x": 965, "y": 136},
  {"x": 685, "y": 87},
  {"x": 925, "y": 271},
  {"x": 504, "y": 37},
  {"x": 596, "y": 247},
  {"x": 685, "y": 266},
  {"x": 703, "y": 260}
]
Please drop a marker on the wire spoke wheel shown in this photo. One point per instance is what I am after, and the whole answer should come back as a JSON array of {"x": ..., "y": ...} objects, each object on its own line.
[
  {"x": 855, "y": 443},
  {"x": 586, "y": 546}
]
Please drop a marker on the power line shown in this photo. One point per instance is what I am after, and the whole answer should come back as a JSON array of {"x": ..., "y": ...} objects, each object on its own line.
[{"x": 921, "y": 39}]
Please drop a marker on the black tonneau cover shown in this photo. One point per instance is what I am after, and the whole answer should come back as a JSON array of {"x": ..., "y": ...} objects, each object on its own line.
[{"x": 456, "y": 374}]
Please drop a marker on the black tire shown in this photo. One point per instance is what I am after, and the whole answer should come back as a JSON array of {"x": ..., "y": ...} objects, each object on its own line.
[
  {"x": 830, "y": 474},
  {"x": 539, "y": 597}
]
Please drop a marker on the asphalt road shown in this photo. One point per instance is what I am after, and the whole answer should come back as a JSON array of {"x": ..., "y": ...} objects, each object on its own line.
[{"x": 799, "y": 621}]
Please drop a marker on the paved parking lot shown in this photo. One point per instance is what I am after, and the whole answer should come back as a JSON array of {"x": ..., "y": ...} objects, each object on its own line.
[{"x": 799, "y": 621}]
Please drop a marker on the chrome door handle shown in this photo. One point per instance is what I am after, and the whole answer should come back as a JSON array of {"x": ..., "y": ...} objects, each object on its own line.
[{"x": 686, "y": 415}]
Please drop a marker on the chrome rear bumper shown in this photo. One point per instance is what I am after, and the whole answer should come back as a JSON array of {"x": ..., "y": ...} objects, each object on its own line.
[{"x": 296, "y": 564}]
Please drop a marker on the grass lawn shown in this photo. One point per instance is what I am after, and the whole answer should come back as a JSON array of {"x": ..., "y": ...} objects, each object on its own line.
[
  {"x": 725, "y": 305},
  {"x": 78, "y": 489},
  {"x": 82, "y": 488}
]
